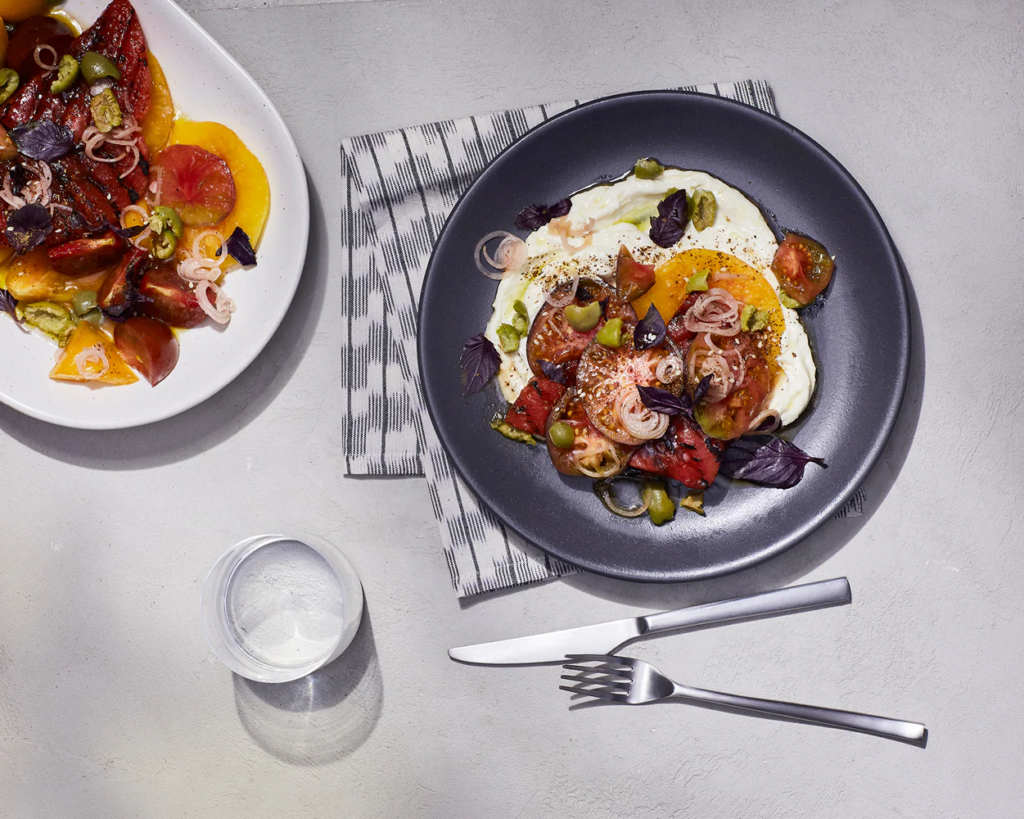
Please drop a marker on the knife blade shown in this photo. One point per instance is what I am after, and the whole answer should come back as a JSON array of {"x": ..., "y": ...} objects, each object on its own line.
[{"x": 604, "y": 638}]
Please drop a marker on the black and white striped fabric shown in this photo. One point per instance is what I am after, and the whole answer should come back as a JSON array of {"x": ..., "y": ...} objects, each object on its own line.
[{"x": 398, "y": 188}]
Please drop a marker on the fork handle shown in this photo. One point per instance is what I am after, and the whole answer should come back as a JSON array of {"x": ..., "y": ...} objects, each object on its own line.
[
  {"x": 782, "y": 601},
  {"x": 851, "y": 720}
]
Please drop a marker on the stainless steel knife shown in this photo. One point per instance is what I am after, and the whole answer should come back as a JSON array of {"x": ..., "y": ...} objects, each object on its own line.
[{"x": 604, "y": 638}]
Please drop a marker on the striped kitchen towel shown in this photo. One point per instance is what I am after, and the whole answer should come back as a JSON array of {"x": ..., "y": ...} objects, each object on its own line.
[{"x": 398, "y": 188}]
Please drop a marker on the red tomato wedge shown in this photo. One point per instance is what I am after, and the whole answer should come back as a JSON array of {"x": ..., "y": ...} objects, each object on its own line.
[
  {"x": 169, "y": 299},
  {"x": 729, "y": 416},
  {"x": 606, "y": 373},
  {"x": 676, "y": 328},
  {"x": 803, "y": 267},
  {"x": 148, "y": 346},
  {"x": 196, "y": 183},
  {"x": 632, "y": 279},
  {"x": 684, "y": 453},
  {"x": 592, "y": 454},
  {"x": 553, "y": 339},
  {"x": 533, "y": 406}
]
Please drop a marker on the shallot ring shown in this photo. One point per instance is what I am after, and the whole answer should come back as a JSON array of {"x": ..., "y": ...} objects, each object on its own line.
[
  {"x": 566, "y": 298},
  {"x": 47, "y": 67}
]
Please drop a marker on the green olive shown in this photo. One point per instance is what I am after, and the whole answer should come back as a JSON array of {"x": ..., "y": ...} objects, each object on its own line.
[
  {"x": 520, "y": 324},
  {"x": 106, "y": 113},
  {"x": 520, "y": 308},
  {"x": 583, "y": 319},
  {"x": 499, "y": 424},
  {"x": 562, "y": 435},
  {"x": 662, "y": 509},
  {"x": 703, "y": 209},
  {"x": 96, "y": 67},
  {"x": 164, "y": 245},
  {"x": 698, "y": 281},
  {"x": 648, "y": 168},
  {"x": 752, "y": 319},
  {"x": 84, "y": 301},
  {"x": 94, "y": 317},
  {"x": 9, "y": 82},
  {"x": 67, "y": 73},
  {"x": 166, "y": 219},
  {"x": 611, "y": 334},
  {"x": 788, "y": 301},
  {"x": 508, "y": 336}
]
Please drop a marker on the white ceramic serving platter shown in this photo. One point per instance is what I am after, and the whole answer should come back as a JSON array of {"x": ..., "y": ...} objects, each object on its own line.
[{"x": 206, "y": 84}]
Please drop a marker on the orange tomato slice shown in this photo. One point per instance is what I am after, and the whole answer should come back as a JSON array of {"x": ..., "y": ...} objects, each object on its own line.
[{"x": 84, "y": 337}]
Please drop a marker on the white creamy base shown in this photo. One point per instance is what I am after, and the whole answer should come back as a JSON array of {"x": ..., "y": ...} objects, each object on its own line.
[{"x": 621, "y": 213}]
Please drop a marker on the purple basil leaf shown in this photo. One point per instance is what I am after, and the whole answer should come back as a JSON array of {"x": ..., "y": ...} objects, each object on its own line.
[
  {"x": 766, "y": 460},
  {"x": 42, "y": 139},
  {"x": 702, "y": 389},
  {"x": 479, "y": 363},
  {"x": 552, "y": 372},
  {"x": 533, "y": 217},
  {"x": 9, "y": 305},
  {"x": 664, "y": 401},
  {"x": 28, "y": 227},
  {"x": 668, "y": 226},
  {"x": 129, "y": 232},
  {"x": 240, "y": 248},
  {"x": 650, "y": 331}
]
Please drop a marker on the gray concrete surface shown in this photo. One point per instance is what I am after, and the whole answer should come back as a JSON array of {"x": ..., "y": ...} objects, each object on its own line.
[{"x": 111, "y": 704}]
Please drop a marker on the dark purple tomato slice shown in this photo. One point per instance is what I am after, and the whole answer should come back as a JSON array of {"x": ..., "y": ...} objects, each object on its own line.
[
  {"x": 196, "y": 183},
  {"x": 148, "y": 346},
  {"x": 80, "y": 257},
  {"x": 36, "y": 31},
  {"x": 685, "y": 453},
  {"x": 740, "y": 383},
  {"x": 532, "y": 407},
  {"x": 803, "y": 267},
  {"x": 166, "y": 296},
  {"x": 608, "y": 376},
  {"x": 592, "y": 454},
  {"x": 632, "y": 279},
  {"x": 553, "y": 339}
]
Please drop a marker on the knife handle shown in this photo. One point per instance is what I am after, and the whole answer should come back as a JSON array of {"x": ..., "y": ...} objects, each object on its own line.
[{"x": 782, "y": 601}]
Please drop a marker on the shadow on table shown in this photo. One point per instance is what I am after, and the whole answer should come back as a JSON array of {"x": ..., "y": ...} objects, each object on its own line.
[
  {"x": 217, "y": 418},
  {"x": 805, "y": 556},
  {"x": 322, "y": 717}
]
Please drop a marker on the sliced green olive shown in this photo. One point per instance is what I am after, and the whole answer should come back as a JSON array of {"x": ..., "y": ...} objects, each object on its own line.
[
  {"x": 661, "y": 508},
  {"x": 509, "y": 338},
  {"x": 84, "y": 301},
  {"x": 95, "y": 67},
  {"x": 704, "y": 208},
  {"x": 94, "y": 317},
  {"x": 55, "y": 320},
  {"x": 583, "y": 319},
  {"x": 520, "y": 308},
  {"x": 106, "y": 113},
  {"x": 520, "y": 324},
  {"x": 752, "y": 319},
  {"x": 698, "y": 281},
  {"x": 9, "y": 82},
  {"x": 67, "y": 73},
  {"x": 164, "y": 245},
  {"x": 562, "y": 435},
  {"x": 499, "y": 424},
  {"x": 788, "y": 301},
  {"x": 611, "y": 334},
  {"x": 648, "y": 168},
  {"x": 694, "y": 501},
  {"x": 164, "y": 219}
]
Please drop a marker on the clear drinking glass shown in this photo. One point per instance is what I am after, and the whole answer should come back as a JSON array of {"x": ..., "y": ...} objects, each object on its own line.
[{"x": 278, "y": 607}]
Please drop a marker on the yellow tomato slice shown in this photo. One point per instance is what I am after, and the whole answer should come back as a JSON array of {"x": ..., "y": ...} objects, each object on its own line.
[
  {"x": 156, "y": 125},
  {"x": 84, "y": 337},
  {"x": 32, "y": 278},
  {"x": 252, "y": 190}
]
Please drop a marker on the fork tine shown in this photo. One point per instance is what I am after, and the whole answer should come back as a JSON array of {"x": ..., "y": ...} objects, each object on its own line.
[
  {"x": 601, "y": 694},
  {"x": 600, "y": 680},
  {"x": 596, "y": 669},
  {"x": 607, "y": 659}
]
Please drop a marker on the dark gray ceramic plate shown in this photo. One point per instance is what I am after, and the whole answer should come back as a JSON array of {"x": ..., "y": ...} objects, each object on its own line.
[{"x": 859, "y": 331}]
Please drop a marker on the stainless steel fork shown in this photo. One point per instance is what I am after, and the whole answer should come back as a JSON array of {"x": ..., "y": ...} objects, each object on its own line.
[{"x": 634, "y": 682}]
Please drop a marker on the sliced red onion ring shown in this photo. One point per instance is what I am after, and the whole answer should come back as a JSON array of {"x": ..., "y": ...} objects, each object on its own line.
[
  {"x": 482, "y": 259},
  {"x": 669, "y": 368},
  {"x": 39, "y": 49},
  {"x": 638, "y": 419},
  {"x": 762, "y": 418},
  {"x": 92, "y": 356}
]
